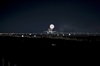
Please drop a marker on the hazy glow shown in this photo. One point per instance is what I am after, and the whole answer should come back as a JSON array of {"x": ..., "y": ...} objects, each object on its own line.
[
  {"x": 22, "y": 35},
  {"x": 53, "y": 44},
  {"x": 30, "y": 34},
  {"x": 34, "y": 35},
  {"x": 69, "y": 34}
]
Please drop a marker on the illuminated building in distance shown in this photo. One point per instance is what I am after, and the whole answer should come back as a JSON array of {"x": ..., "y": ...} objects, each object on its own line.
[{"x": 50, "y": 30}]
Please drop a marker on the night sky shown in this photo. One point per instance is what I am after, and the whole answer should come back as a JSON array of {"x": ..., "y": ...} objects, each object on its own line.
[{"x": 36, "y": 15}]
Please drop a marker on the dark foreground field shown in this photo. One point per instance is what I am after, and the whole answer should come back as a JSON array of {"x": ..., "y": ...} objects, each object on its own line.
[{"x": 49, "y": 52}]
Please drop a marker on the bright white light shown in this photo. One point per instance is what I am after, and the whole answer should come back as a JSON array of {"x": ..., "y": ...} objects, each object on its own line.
[
  {"x": 34, "y": 35},
  {"x": 22, "y": 35},
  {"x": 63, "y": 34},
  {"x": 52, "y": 26},
  {"x": 69, "y": 34},
  {"x": 30, "y": 34}
]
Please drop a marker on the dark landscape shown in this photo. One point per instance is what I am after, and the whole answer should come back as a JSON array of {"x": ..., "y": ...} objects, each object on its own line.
[
  {"x": 25, "y": 51},
  {"x": 50, "y": 32}
]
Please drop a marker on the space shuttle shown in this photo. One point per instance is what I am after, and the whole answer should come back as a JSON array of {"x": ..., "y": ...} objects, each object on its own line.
[{"x": 50, "y": 30}]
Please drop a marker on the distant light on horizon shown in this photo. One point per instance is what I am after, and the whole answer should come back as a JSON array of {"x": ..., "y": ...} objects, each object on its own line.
[
  {"x": 29, "y": 33},
  {"x": 69, "y": 34},
  {"x": 22, "y": 35}
]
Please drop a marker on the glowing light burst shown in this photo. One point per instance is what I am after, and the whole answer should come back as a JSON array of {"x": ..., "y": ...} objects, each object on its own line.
[{"x": 52, "y": 26}]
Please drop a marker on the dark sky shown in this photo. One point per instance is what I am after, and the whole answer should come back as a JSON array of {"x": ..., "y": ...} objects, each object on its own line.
[{"x": 36, "y": 15}]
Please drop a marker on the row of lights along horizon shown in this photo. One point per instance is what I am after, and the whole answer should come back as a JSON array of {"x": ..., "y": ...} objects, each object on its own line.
[{"x": 51, "y": 32}]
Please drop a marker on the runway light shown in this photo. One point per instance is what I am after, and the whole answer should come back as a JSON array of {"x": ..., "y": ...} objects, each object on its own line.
[
  {"x": 34, "y": 35},
  {"x": 63, "y": 35},
  {"x": 22, "y": 35},
  {"x": 69, "y": 34},
  {"x": 30, "y": 34}
]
